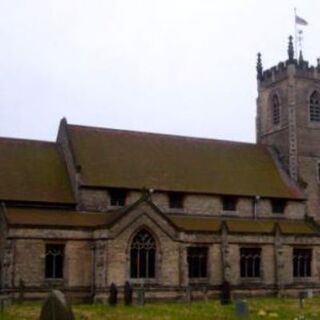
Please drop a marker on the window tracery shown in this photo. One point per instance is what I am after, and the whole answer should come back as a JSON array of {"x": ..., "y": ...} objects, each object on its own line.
[{"x": 143, "y": 256}]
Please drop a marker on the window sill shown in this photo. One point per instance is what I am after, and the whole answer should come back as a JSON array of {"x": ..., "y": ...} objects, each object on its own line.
[
  {"x": 314, "y": 124},
  {"x": 229, "y": 213},
  {"x": 176, "y": 210},
  {"x": 303, "y": 279},
  {"x": 251, "y": 279},
  {"x": 52, "y": 282},
  {"x": 143, "y": 281},
  {"x": 199, "y": 280},
  {"x": 112, "y": 208}
]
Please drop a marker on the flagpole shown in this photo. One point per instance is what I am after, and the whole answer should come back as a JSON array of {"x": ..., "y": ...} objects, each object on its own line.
[{"x": 295, "y": 34}]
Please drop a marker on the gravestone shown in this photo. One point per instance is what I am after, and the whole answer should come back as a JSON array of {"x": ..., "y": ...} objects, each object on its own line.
[
  {"x": 5, "y": 301},
  {"x": 141, "y": 296},
  {"x": 225, "y": 295},
  {"x": 241, "y": 309},
  {"x": 205, "y": 293},
  {"x": 21, "y": 291},
  {"x": 188, "y": 294},
  {"x": 56, "y": 307},
  {"x": 113, "y": 295},
  {"x": 127, "y": 294},
  {"x": 302, "y": 296}
]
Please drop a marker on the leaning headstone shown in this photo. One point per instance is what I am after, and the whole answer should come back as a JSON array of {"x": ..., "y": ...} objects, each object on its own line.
[
  {"x": 56, "y": 307},
  {"x": 141, "y": 296},
  {"x": 113, "y": 295},
  {"x": 241, "y": 309},
  {"x": 127, "y": 294},
  {"x": 225, "y": 295}
]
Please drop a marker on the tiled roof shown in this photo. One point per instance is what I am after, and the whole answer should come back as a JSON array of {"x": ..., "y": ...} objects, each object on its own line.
[
  {"x": 57, "y": 218},
  {"x": 126, "y": 159},
  {"x": 33, "y": 171},
  {"x": 294, "y": 227},
  {"x": 37, "y": 217},
  {"x": 192, "y": 223},
  {"x": 250, "y": 226},
  {"x": 259, "y": 226}
]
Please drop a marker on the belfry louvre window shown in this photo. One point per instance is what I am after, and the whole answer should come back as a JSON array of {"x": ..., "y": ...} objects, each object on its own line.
[
  {"x": 278, "y": 205},
  {"x": 250, "y": 262},
  {"x": 229, "y": 203},
  {"x": 175, "y": 200},
  {"x": 197, "y": 262},
  {"x": 314, "y": 107},
  {"x": 117, "y": 197},
  {"x": 143, "y": 256},
  {"x": 302, "y": 259},
  {"x": 54, "y": 261},
  {"x": 275, "y": 110}
]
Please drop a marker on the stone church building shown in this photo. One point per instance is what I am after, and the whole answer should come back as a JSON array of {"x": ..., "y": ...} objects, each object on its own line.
[{"x": 101, "y": 206}]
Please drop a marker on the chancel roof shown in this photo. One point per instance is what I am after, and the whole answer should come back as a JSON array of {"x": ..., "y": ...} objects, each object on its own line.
[
  {"x": 135, "y": 160},
  {"x": 33, "y": 171}
]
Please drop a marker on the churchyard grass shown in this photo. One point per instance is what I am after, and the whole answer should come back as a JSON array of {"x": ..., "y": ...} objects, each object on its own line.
[{"x": 260, "y": 308}]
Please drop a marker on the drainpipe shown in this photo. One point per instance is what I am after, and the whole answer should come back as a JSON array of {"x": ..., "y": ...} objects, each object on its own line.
[
  {"x": 93, "y": 269},
  {"x": 255, "y": 206}
]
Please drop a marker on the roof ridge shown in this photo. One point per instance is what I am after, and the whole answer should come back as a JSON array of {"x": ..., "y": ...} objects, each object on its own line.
[
  {"x": 168, "y": 135},
  {"x": 21, "y": 140}
]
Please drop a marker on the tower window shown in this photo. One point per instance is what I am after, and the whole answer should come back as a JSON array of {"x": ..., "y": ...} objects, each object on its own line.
[
  {"x": 302, "y": 262},
  {"x": 314, "y": 107},
  {"x": 250, "y": 262},
  {"x": 278, "y": 205},
  {"x": 117, "y": 197},
  {"x": 197, "y": 262},
  {"x": 143, "y": 256},
  {"x": 54, "y": 261},
  {"x": 275, "y": 110},
  {"x": 175, "y": 200},
  {"x": 229, "y": 203}
]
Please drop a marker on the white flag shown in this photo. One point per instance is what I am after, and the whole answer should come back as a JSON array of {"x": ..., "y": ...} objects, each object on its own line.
[{"x": 301, "y": 21}]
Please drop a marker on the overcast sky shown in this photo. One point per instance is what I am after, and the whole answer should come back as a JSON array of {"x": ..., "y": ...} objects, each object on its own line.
[{"x": 172, "y": 66}]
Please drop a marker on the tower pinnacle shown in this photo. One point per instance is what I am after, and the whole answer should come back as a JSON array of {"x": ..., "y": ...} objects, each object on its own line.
[
  {"x": 259, "y": 67},
  {"x": 290, "y": 50}
]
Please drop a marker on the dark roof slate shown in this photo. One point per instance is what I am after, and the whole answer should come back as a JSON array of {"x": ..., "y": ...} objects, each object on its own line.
[
  {"x": 57, "y": 218},
  {"x": 33, "y": 171},
  {"x": 54, "y": 218},
  {"x": 127, "y": 159}
]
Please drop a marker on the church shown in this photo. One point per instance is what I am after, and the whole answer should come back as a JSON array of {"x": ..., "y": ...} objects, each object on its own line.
[{"x": 101, "y": 206}]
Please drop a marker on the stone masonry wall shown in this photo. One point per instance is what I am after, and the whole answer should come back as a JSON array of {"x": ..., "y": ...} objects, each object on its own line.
[
  {"x": 99, "y": 200},
  {"x": 171, "y": 263},
  {"x": 30, "y": 263}
]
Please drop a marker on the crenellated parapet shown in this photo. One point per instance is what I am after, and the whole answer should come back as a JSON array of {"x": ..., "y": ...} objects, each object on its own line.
[{"x": 297, "y": 67}]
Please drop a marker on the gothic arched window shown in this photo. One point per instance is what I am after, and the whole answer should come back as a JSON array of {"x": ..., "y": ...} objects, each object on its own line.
[
  {"x": 314, "y": 107},
  {"x": 250, "y": 262},
  {"x": 302, "y": 259},
  {"x": 143, "y": 256},
  {"x": 275, "y": 110}
]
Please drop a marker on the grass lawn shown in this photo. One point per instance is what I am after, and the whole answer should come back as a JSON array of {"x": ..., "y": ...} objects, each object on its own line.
[{"x": 260, "y": 308}]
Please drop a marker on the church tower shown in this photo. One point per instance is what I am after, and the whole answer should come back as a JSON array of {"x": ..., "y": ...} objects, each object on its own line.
[{"x": 288, "y": 120}]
